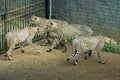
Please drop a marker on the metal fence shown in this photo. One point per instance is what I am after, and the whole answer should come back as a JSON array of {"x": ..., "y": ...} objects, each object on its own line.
[{"x": 14, "y": 15}]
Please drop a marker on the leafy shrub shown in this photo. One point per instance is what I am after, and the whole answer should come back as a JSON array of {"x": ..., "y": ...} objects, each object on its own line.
[
  {"x": 70, "y": 39},
  {"x": 110, "y": 48}
]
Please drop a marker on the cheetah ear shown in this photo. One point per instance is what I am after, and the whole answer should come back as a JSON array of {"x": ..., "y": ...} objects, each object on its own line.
[
  {"x": 35, "y": 17},
  {"x": 51, "y": 23},
  {"x": 54, "y": 24},
  {"x": 113, "y": 39},
  {"x": 101, "y": 35}
]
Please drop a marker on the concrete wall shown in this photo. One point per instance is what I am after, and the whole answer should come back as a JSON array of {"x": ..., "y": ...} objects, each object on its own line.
[{"x": 101, "y": 15}]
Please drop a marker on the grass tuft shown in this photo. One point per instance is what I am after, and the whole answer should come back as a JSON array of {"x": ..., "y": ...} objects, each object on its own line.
[{"x": 110, "y": 48}]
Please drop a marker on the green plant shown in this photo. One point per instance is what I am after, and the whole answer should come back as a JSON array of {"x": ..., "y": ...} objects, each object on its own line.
[
  {"x": 110, "y": 48},
  {"x": 70, "y": 39}
]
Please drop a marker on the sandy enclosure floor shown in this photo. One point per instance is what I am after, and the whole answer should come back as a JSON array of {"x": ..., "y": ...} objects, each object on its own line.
[{"x": 53, "y": 66}]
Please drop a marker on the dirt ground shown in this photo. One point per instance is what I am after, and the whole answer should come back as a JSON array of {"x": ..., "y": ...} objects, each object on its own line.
[{"x": 53, "y": 66}]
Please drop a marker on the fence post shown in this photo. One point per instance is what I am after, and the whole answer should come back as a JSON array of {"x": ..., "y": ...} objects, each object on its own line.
[
  {"x": 48, "y": 6},
  {"x": 5, "y": 25}
]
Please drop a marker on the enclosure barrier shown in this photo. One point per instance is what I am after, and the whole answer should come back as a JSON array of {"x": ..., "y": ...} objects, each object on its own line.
[
  {"x": 103, "y": 16},
  {"x": 15, "y": 14}
]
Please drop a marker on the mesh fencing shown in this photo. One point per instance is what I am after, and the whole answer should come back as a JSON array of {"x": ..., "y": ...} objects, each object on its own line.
[{"x": 101, "y": 15}]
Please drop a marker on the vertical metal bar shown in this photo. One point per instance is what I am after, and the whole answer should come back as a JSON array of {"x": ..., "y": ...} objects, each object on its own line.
[
  {"x": 5, "y": 25},
  {"x": 48, "y": 9}
]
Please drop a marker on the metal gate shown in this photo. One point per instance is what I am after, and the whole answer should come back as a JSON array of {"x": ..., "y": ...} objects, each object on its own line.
[{"x": 14, "y": 14}]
